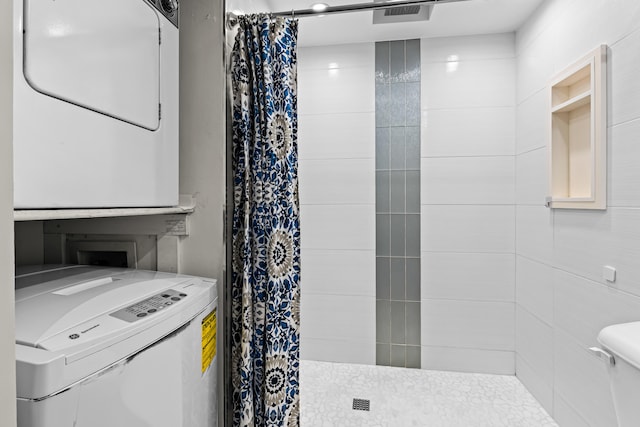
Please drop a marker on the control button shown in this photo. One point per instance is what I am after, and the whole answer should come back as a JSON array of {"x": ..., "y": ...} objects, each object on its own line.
[
  {"x": 161, "y": 307},
  {"x": 183, "y": 295},
  {"x": 175, "y": 299},
  {"x": 151, "y": 310},
  {"x": 165, "y": 295},
  {"x": 141, "y": 314},
  {"x": 168, "y": 303}
]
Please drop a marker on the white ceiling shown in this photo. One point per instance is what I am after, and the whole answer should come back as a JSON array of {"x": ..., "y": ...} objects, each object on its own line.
[{"x": 448, "y": 19}]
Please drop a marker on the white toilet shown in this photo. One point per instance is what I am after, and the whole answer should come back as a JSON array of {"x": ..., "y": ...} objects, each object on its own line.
[{"x": 621, "y": 348}]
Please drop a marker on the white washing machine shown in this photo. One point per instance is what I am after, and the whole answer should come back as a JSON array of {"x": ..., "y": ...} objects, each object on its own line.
[
  {"x": 95, "y": 103},
  {"x": 106, "y": 347}
]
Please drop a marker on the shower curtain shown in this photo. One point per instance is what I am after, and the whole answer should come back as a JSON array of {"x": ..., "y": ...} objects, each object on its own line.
[{"x": 266, "y": 227}]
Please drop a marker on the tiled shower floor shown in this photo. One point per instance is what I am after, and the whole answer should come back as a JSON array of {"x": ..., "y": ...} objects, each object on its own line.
[{"x": 413, "y": 397}]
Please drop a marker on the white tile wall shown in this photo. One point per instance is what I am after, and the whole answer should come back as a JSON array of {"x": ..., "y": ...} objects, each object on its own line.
[
  {"x": 561, "y": 253},
  {"x": 467, "y": 360},
  {"x": 467, "y": 228},
  {"x": 625, "y": 87},
  {"x": 535, "y": 67},
  {"x": 468, "y": 196},
  {"x": 583, "y": 307},
  {"x": 532, "y": 122},
  {"x": 464, "y": 84},
  {"x": 624, "y": 173},
  {"x": 534, "y": 288},
  {"x": 534, "y": 338},
  {"x": 337, "y": 195},
  {"x": 541, "y": 389},
  {"x": 468, "y": 324},
  {"x": 606, "y": 25},
  {"x": 450, "y": 49},
  {"x": 534, "y": 230},
  {"x": 334, "y": 350},
  {"x": 356, "y": 272},
  {"x": 565, "y": 415},
  {"x": 336, "y": 56},
  {"x": 337, "y": 182},
  {"x": 471, "y": 276},
  {"x": 582, "y": 381},
  {"x": 443, "y": 135},
  {"x": 340, "y": 90},
  {"x": 587, "y": 241},
  {"x": 336, "y": 135},
  {"x": 467, "y": 180},
  {"x": 338, "y": 317},
  {"x": 532, "y": 177},
  {"x": 338, "y": 226}
]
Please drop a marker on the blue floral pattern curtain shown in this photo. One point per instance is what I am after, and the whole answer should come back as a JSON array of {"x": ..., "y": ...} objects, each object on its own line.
[{"x": 266, "y": 226}]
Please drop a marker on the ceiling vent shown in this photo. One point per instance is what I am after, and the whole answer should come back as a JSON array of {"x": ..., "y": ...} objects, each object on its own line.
[
  {"x": 402, "y": 10},
  {"x": 398, "y": 14}
]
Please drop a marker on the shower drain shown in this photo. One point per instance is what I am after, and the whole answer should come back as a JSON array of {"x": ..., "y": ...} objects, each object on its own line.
[{"x": 361, "y": 404}]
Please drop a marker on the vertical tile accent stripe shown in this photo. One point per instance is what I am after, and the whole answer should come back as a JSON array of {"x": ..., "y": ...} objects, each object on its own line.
[{"x": 398, "y": 203}]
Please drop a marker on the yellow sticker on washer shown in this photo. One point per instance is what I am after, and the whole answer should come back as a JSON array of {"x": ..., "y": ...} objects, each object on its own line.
[{"x": 209, "y": 328}]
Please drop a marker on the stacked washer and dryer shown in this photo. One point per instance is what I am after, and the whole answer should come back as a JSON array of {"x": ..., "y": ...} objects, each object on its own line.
[
  {"x": 95, "y": 103},
  {"x": 96, "y": 126}
]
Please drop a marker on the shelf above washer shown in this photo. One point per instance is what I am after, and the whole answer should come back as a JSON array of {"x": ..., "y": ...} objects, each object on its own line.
[{"x": 186, "y": 206}]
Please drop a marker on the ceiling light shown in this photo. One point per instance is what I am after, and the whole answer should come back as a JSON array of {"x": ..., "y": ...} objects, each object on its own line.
[{"x": 319, "y": 7}]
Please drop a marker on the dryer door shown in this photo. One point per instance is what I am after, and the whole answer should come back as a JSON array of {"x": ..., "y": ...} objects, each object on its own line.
[{"x": 103, "y": 56}]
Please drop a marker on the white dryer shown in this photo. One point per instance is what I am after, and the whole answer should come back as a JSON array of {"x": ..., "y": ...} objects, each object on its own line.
[
  {"x": 105, "y": 347},
  {"x": 95, "y": 103}
]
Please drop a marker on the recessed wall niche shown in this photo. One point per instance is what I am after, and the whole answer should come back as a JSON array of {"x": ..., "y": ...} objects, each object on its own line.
[{"x": 578, "y": 140}]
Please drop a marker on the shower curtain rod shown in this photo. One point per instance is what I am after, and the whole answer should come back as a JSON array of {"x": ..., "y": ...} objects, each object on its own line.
[{"x": 347, "y": 8}]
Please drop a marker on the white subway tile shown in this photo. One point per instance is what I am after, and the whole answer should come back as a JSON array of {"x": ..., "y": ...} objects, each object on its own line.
[
  {"x": 468, "y": 360},
  {"x": 534, "y": 233},
  {"x": 535, "y": 66},
  {"x": 534, "y": 288},
  {"x": 582, "y": 380},
  {"x": 468, "y": 324},
  {"x": 541, "y": 389},
  {"x": 487, "y": 83},
  {"x": 539, "y": 20},
  {"x": 479, "y": 277},
  {"x": 565, "y": 415},
  {"x": 466, "y": 48},
  {"x": 583, "y": 307},
  {"x": 338, "y": 317},
  {"x": 357, "y": 272},
  {"x": 532, "y": 122},
  {"x": 450, "y": 228},
  {"x": 336, "y": 136},
  {"x": 532, "y": 177},
  {"x": 585, "y": 242},
  {"x": 624, "y": 173},
  {"x": 468, "y": 180},
  {"x": 534, "y": 343},
  {"x": 624, "y": 84},
  {"x": 338, "y": 226},
  {"x": 336, "y": 56},
  {"x": 337, "y": 181},
  {"x": 347, "y": 90},
  {"x": 598, "y": 23},
  {"x": 335, "y": 350},
  {"x": 486, "y": 131}
]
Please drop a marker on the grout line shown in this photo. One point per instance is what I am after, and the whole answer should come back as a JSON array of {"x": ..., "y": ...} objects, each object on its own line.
[
  {"x": 509, "y": 302},
  {"x": 482, "y": 156}
]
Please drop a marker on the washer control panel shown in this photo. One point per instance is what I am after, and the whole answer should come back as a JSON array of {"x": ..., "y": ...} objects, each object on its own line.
[{"x": 149, "y": 306}]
